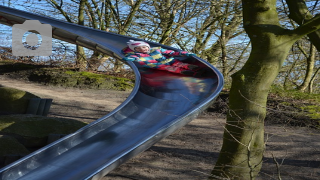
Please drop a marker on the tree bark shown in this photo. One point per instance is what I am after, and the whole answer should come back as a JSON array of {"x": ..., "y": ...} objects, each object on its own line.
[
  {"x": 310, "y": 89},
  {"x": 81, "y": 60},
  {"x": 309, "y": 70},
  {"x": 96, "y": 17},
  {"x": 243, "y": 144}
]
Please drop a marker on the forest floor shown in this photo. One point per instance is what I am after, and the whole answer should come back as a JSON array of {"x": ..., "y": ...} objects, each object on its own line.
[{"x": 292, "y": 152}]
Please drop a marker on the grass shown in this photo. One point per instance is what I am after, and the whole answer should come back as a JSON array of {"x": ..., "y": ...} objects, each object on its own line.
[
  {"x": 66, "y": 77},
  {"x": 309, "y": 103},
  {"x": 295, "y": 94}
]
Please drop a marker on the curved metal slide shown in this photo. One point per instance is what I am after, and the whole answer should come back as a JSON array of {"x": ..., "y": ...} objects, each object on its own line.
[{"x": 159, "y": 104}]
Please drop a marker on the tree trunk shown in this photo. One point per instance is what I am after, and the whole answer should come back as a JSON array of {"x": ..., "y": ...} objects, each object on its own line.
[
  {"x": 310, "y": 89},
  {"x": 81, "y": 61},
  {"x": 212, "y": 55},
  {"x": 243, "y": 145},
  {"x": 309, "y": 70}
]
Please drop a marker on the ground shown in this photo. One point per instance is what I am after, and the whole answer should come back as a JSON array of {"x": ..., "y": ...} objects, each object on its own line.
[{"x": 191, "y": 152}]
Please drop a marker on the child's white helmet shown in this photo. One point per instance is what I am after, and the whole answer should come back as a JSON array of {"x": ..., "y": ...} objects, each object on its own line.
[{"x": 133, "y": 44}]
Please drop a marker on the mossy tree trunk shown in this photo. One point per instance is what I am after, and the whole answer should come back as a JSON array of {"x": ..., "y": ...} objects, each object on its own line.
[
  {"x": 243, "y": 143},
  {"x": 309, "y": 70},
  {"x": 310, "y": 89},
  {"x": 81, "y": 60}
]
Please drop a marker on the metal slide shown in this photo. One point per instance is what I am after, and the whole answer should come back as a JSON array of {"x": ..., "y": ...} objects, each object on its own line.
[{"x": 159, "y": 104}]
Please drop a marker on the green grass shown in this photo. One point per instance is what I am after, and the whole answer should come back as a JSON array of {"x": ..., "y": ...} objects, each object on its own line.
[
  {"x": 310, "y": 103},
  {"x": 84, "y": 79},
  {"x": 313, "y": 111},
  {"x": 295, "y": 94}
]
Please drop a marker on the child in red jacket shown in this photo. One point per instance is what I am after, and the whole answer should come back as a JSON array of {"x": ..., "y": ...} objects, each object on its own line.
[{"x": 159, "y": 58}]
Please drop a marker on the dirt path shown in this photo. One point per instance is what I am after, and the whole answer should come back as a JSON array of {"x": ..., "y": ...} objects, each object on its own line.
[
  {"x": 189, "y": 153},
  {"x": 84, "y": 105}
]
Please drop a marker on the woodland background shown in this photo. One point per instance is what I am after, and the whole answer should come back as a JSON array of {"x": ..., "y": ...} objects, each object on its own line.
[{"x": 211, "y": 29}]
